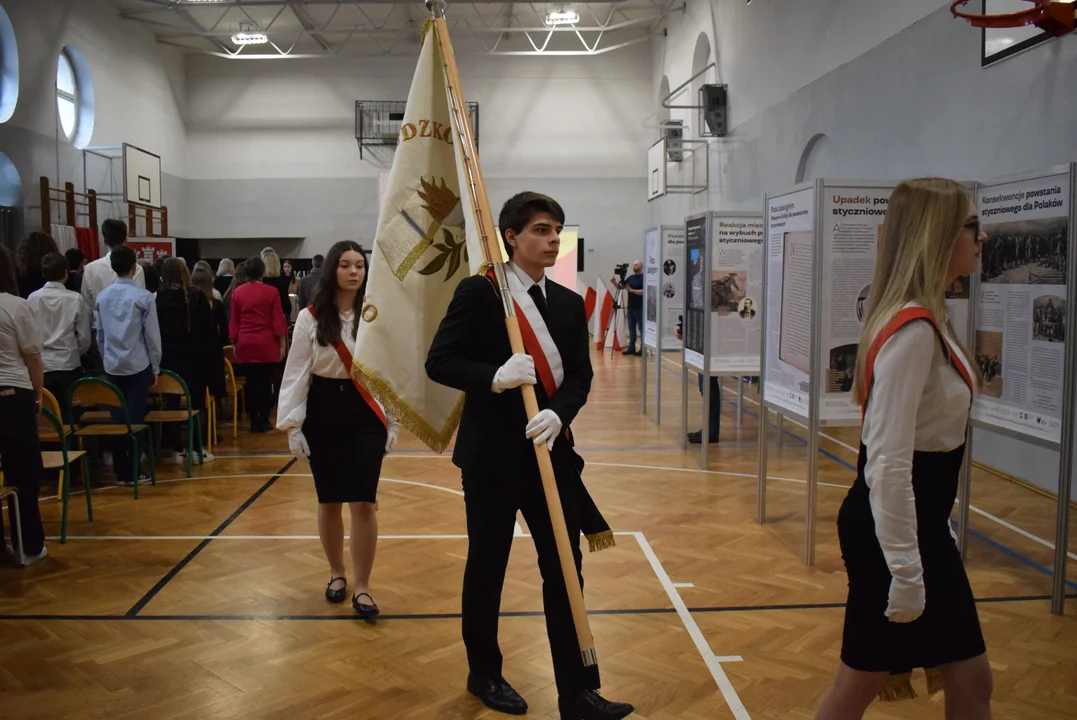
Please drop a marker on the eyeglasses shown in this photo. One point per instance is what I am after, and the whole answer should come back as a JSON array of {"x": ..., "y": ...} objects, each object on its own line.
[{"x": 974, "y": 226}]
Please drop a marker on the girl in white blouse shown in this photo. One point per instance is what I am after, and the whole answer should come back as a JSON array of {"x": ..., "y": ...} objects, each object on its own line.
[
  {"x": 335, "y": 424},
  {"x": 910, "y": 604}
]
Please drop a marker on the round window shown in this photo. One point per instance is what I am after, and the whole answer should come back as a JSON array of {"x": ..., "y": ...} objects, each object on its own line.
[
  {"x": 9, "y": 68},
  {"x": 74, "y": 96}
]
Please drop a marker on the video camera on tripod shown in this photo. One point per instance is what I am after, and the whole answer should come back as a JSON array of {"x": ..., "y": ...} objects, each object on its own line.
[{"x": 621, "y": 272}]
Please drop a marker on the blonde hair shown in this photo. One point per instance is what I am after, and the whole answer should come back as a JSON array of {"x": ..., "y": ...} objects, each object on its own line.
[
  {"x": 272, "y": 261},
  {"x": 923, "y": 221}
]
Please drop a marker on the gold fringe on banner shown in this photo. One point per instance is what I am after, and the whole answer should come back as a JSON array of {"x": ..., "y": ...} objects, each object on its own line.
[
  {"x": 898, "y": 687},
  {"x": 934, "y": 680},
  {"x": 600, "y": 541},
  {"x": 415, "y": 424}
]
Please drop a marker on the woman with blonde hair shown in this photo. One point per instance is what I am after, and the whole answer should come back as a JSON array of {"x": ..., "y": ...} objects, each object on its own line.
[
  {"x": 910, "y": 604},
  {"x": 274, "y": 278}
]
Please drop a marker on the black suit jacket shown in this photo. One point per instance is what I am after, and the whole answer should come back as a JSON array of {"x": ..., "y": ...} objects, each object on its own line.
[{"x": 472, "y": 342}]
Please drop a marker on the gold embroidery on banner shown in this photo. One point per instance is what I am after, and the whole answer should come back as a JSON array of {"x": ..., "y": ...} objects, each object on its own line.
[
  {"x": 436, "y": 440},
  {"x": 370, "y": 313}
]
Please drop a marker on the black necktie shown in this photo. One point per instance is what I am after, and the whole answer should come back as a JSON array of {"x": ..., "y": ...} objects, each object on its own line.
[{"x": 540, "y": 302}]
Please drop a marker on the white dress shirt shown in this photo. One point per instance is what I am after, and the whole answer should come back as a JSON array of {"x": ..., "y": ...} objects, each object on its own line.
[
  {"x": 918, "y": 402},
  {"x": 98, "y": 275},
  {"x": 527, "y": 280},
  {"x": 65, "y": 323},
  {"x": 19, "y": 335},
  {"x": 305, "y": 358}
]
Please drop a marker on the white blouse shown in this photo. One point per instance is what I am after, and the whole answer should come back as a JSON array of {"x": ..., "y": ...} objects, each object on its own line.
[
  {"x": 918, "y": 402},
  {"x": 305, "y": 358}
]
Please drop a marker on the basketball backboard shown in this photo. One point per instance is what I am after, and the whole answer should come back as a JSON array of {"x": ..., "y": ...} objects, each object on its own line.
[
  {"x": 141, "y": 177},
  {"x": 1001, "y": 43},
  {"x": 656, "y": 170}
]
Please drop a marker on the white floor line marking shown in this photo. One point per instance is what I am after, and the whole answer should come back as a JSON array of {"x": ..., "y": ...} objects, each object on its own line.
[
  {"x": 449, "y": 536},
  {"x": 728, "y": 658},
  {"x": 517, "y": 530},
  {"x": 683, "y": 585},
  {"x": 713, "y": 663},
  {"x": 973, "y": 508}
]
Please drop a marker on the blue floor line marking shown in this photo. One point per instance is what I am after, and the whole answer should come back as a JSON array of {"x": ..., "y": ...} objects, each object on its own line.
[{"x": 991, "y": 542}]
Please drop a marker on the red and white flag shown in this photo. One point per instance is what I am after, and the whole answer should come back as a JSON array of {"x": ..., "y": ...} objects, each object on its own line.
[{"x": 590, "y": 299}]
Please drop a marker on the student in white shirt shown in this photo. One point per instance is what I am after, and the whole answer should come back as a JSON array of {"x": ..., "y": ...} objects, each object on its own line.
[
  {"x": 20, "y": 404},
  {"x": 337, "y": 426},
  {"x": 910, "y": 604},
  {"x": 98, "y": 275},
  {"x": 60, "y": 314}
]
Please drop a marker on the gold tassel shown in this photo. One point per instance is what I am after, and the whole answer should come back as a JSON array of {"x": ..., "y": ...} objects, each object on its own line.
[
  {"x": 934, "y": 680},
  {"x": 601, "y": 541},
  {"x": 897, "y": 687}
]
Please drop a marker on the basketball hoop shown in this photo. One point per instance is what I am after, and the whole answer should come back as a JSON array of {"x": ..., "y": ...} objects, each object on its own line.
[{"x": 1051, "y": 16}]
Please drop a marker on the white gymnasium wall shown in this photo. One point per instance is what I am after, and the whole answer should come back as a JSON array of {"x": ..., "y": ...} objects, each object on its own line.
[
  {"x": 272, "y": 149},
  {"x": 897, "y": 90},
  {"x": 138, "y": 87}
]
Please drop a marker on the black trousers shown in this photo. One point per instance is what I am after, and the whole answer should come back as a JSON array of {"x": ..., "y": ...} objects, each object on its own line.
[
  {"x": 259, "y": 390},
  {"x": 23, "y": 469},
  {"x": 491, "y": 504},
  {"x": 58, "y": 382}
]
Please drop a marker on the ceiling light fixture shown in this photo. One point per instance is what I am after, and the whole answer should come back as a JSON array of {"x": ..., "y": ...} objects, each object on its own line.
[
  {"x": 249, "y": 38},
  {"x": 562, "y": 17}
]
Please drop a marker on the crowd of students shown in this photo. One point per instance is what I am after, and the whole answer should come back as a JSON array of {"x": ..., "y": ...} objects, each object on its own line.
[{"x": 126, "y": 320}]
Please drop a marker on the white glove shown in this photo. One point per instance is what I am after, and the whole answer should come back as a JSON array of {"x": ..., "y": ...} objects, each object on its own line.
[
  {"x": 297, "y": 444},
  {"x": 907, "y": 600},
  {"x": 519, "y": 370},
  {"x": 544, "y": 428},
  {"x": 391, "y": 434}
]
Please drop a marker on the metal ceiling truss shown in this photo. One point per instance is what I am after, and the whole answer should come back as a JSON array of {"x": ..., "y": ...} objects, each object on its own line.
[{"x": 326, "y": 28}]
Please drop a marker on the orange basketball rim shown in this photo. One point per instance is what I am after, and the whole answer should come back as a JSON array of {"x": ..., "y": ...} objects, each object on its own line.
[{"x": 1057, "y": 18}]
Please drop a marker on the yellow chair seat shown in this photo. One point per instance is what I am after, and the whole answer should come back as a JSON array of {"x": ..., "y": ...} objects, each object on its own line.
[
  {"x": 155, "y": 416},
  {"x": 94, "y": 416},
  {"x": 106, "y": 430},
  {"x": 54, "y": 459},
  {"x": 52, "y": 436}
]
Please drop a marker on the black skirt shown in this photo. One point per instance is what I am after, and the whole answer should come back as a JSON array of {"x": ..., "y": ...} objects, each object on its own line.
[
  {"x": 949, "y": 628},
  {"x": 346, "y": 440}
]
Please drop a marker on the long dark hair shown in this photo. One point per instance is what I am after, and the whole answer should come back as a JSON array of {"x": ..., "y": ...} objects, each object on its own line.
[
  {"x": 174, "y": 276},
  {"x": 31, "y": 250},
  {"x": 8, "y": 284},
  {"x": 325, "y": 297}
]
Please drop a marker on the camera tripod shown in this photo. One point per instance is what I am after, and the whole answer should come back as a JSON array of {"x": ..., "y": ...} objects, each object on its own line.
[{"x": 618, "y": 310}]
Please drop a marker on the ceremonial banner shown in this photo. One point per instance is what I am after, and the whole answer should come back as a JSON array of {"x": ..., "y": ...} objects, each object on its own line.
[{"x": 426, "y": 244}]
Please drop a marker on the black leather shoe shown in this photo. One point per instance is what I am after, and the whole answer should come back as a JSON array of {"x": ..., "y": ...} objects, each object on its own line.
[
  {"x": 338, "y": 595},
  {"x": 696, "y": 438},
  {"x": 589, "y": 705},
  {"x": 496, "y": 694}
]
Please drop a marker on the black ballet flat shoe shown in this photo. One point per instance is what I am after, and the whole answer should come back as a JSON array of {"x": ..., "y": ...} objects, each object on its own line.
[
  {"x": 339, "y": 595},
  {"x": 696, "y": 438},
  {"x": 589, "y": 705},
  {"x": 363, "y": 610},
  {"x": 496, "y": 694}
]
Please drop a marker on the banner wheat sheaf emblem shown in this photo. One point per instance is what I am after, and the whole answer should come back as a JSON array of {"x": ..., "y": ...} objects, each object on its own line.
[{"x": 431, "y": 220}]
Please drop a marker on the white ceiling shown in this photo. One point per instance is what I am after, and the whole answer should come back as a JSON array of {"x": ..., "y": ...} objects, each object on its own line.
[{"x": 305, "y": 28}]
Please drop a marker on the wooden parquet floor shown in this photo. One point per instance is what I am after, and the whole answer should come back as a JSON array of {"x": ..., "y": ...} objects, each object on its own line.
[{"x": 203, "y": 599}]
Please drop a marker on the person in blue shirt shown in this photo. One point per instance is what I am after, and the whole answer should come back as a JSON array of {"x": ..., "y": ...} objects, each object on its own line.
[
  {"x": 130, "y": 342},
  {"x": 633, "y": 286}
]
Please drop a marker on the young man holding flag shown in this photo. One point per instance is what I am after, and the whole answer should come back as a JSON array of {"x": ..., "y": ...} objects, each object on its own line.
[{"x": 471, "y": 352}]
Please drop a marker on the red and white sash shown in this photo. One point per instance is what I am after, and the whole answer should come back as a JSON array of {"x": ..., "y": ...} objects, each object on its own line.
[
  {"x": 536, "y": 336},
  {"x": 901, "y": 318},
  {"x": 346, "y": 357}
]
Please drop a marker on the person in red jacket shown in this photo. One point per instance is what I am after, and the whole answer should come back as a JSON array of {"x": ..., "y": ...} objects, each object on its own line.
[{"x": 258, "y": 329}]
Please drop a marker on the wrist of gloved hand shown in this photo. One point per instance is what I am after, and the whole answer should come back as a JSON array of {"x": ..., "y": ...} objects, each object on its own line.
[{"x": 907, "y": 599}]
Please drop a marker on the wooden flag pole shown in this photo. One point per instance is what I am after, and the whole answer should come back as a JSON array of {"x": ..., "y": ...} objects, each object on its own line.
[{"x": 481, "y": 204}]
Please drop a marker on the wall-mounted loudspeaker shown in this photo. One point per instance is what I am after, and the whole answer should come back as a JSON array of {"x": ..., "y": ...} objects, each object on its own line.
[
  {"x": 713, "y": 102},
  {"x": 674, "y": 132}
]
